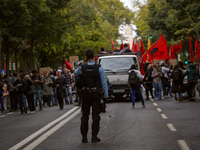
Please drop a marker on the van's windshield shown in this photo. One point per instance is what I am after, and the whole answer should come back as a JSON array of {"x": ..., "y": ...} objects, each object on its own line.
[{"x": 117, "y": 64}]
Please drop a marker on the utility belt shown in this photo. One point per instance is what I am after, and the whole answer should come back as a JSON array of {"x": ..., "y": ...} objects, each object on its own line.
[{"x": 92, "y": 90}]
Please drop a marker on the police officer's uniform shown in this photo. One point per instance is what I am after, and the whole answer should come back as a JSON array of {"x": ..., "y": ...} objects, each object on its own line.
[{"x": 94, "y": 82}]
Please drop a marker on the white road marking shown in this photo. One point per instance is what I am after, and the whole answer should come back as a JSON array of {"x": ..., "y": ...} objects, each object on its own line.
[
  {"x": 28, "y": 139},
  {"x": 2, "y": 116},
  {"x": 164, "y": 116},
  {"x": 171, "y": 127},
  {"x": 159, "y": 109},
  {"x": 155, "y": 104},
  {"x": 50, "y": 132},
  {"x": 183, "y": 145},
  {"x": 10, "y": 113}
]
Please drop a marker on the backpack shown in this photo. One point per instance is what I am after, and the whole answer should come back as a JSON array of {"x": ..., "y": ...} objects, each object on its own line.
[
  {"x": 133, "y": 79},
  {"x": 90, "y": 76},
  {"x": 176, "y": 75}
]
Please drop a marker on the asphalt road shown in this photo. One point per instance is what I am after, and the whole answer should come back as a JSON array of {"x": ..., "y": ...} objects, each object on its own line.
[{"x": 162, "y": 125}]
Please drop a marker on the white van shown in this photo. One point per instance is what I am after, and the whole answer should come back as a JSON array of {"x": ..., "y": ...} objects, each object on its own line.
[{"x": 116, "y": 69}]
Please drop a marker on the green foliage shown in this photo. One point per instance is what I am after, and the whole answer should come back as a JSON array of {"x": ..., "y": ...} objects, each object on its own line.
[{"x": 51, "y": 30}]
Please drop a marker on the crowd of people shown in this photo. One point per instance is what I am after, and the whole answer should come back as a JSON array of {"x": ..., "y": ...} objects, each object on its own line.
[
  {"x": 168, "y": 81},
  {"x": 31, "y": 90}
]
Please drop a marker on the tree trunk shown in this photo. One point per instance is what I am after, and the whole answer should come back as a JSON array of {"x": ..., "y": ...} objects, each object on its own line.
[
  {"x": 24, "y": 61},
  {"x": 7, "y": 59},
  {"x": 1, "y": 39},
  {"x": 16, "y": 62}
]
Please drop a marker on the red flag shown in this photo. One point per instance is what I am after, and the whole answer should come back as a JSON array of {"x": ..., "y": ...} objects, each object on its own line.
[
  {"x": 134, "y": 47},
  {"x": 142, "y": 50},
  {"x": 158, "y": 50},
  {"x": 177, "y": 48},
  {"x": 191, "y": 51},
  {"x": 68, "y": 65},
  {"x": 113, "y": 44},
  {"x": 197, "y": 49},
  {"x": 128, "y": 45},
  {"x": 122, "y": 46}
]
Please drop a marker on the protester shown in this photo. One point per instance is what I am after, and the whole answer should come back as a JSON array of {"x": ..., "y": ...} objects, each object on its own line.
[
  {"x": 47, "y": 89},
  {"x": 60, "y": 83},
  {"x": 20, "y": 86},
  {"x": 149, "y": 82},
  {"x": 30, "y": 91},
  {"x": 68, "y": 78},
  {"x": 94, "y": 81},
  {"x": 5, "y": 95},
  {"x": 166, "y": 79},
  {"x": 103, "y": 51},
  {"x": 191, "y": 74},
  {"x": 126, "y": 49},
  {"x": 12, "y": 93},
  {"x": 177, "y": 84},
  {"x": 157, "y": 81},
  {"x": 37, "y": 79},
  {"x": 135, "y": 78},
  {"x": 53, "y": 77},
  {"x": 116, "y": 51}
]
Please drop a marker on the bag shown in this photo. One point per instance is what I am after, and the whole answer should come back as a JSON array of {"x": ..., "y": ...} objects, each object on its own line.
[
  {"x": 133, "y": 79},
  {"x": 176, "y": 76},
  {"x": 32, "y": 90}
]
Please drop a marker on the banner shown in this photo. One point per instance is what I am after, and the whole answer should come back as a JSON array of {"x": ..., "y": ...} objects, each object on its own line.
[
  {"x": 113, "y": 44},
  {"x": 191, "y": 51},
  {"x": 197, "y": 48},
  {"x": 134, "y": 47},
  {"x": 68, "y": 65},
  {"x": 158, "y": 50},
  {"x": 142, "y": 51},
  {"x": 122, "y": 46},
  {"x": 177, "y": 48}
]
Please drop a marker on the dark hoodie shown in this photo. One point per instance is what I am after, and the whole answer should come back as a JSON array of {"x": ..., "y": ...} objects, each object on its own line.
[{"x": 191, "y": 73}]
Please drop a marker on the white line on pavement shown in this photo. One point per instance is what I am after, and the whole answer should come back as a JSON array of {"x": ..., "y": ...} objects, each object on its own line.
[
  {"x": 28, "y": 139},
  {"x": 171, "y": 127},
  {"x": 159, "y": 109},
  {"x": 155, "y": 104},
  {"x": 2, "y": 116},
  {"x": 164, "y": 116},
  {"x": 51, "y": 131},
  {"x": 10, "y": 113},
  {"x": 183, "y": 145}
]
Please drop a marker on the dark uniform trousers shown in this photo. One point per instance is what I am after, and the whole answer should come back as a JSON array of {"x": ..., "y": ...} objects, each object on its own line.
[{"x": 90, "y": 100}]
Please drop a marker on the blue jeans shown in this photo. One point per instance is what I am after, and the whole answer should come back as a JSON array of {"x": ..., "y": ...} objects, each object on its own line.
[
  {"x": 134, "y": 91},
  {"x": 178, "y": 95},
  {"x": 22, "y": 102},
  {"x": 158, "y": 90},
  {"x": 55, "y": 95},
  {"x": 68, "y": 92},
  {"x": 39, "y": 94}
]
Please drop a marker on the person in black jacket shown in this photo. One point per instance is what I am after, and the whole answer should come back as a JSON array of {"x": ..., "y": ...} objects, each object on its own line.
[
  {"x": 20, "y": 86},
  {"x": 61, "y": 89},
  {"x": 148, "y": 82},
  {"x": 30, "y": 91},
  {"x": 177, "y": 83}
]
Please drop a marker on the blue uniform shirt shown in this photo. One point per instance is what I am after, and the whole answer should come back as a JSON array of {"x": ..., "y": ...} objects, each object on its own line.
[{"x": 78, "y": 72}]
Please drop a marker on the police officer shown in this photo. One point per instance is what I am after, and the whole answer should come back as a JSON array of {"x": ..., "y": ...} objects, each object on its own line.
[{"x": 94, "y": 83}]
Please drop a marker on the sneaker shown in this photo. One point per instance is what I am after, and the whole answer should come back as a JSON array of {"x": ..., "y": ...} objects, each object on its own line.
[
  {"x": 40, "y": 109},
  {"x": 133, "y": 107},
  {"x": 95, "y": 139},
  {"x": 143, "y": 106},
  {"x": 156, "y": 98}
]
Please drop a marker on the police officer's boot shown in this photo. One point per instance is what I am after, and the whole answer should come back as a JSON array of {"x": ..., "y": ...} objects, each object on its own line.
[
  {"x": 95, "y": 139},
  {"x": 84, "y": 139}
]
